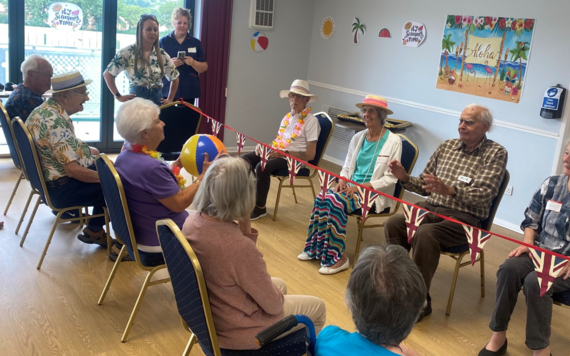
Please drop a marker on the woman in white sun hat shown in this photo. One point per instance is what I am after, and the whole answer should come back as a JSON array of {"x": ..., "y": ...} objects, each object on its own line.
[
  {"x": 297, "y": 136},
  {"x": 366, "y": 163}
]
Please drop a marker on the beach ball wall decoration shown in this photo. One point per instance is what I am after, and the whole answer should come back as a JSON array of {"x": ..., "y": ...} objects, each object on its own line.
[
  {"x": 259, "y": 42},
  {"x": 384, "y": 33},
  {"x": 327, "y": 28},
  {"x": 358, "y": 27}
]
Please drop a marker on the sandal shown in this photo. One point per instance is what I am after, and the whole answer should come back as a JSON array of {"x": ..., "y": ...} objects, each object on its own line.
[{"x": 90, "y": 237}]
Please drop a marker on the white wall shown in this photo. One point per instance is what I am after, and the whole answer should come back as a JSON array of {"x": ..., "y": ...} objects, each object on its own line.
[
  {"x": 255, "y": 79},
  {"x": 344, "y": 71}
]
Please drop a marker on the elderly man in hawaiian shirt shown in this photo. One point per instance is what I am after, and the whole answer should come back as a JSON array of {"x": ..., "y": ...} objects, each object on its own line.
[
  {"x": 27, "y": 96},
  {"x": 67, "y": 162}
]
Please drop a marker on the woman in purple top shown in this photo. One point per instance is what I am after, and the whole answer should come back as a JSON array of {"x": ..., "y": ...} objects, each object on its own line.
[{"x": 150, "y": 185}]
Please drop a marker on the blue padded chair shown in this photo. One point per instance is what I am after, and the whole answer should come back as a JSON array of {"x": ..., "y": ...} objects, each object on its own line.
[
  {"x": 327, "y": 129},
  {"x": 458, "y": 252},
  {"x": 9, "y": 135},
  {"x": 409, "y": 157},
  {"x": 193, "y": 303},
  {"x": 119, "y": 212},
  {"x": 31, "y": 163},
  {"x": 180, "y": 123}
]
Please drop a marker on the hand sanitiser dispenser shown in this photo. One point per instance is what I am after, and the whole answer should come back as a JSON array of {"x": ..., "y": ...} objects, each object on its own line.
[{"x": 553, "y": 102}]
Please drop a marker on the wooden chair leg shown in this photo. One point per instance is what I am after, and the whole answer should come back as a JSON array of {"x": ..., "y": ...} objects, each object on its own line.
[
  {"x": 278, "y": 198},
  {"x": 112, "y": 274},
  {"x": 358, "y": 241},
  {"x": 24, "y": 212},
  {"x": 453, "y": 283},
  {"x": 12, "y": 196},
  {"x": 48, "y": 242},
  {"x": 31, "y": 220},
  {"x": 482, "y": 263},
  {"x": 191, "y": 343}
]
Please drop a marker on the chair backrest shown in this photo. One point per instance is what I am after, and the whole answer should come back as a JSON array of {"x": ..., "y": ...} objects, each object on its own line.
[
  {"x": 488, "y": 223},
  {"x": 181, "y": 122},
  {"x": 327, "y": 129},
  {"x": 30, "y": 159},
  {"x": 408, "y": 160},
  {"x": 9, "y": 135},
  {"x": 189, "y": 285},
  {"x": 117, "y": 206}
]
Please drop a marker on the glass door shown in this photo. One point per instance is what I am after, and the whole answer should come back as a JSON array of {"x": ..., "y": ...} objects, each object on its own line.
[
  {"x": 3, "y": 67},
  {"x": 69, "y": 36}
]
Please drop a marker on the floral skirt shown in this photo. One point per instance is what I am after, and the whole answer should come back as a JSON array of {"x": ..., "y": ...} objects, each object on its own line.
[{"x": 327, "y": 227}]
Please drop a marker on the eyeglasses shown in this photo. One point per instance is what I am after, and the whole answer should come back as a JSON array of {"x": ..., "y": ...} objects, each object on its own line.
[
  {"x": 81, "y": 94},
  {"x": 295, "y": 96},
  {"x": 466, "y": 122},
  {"x": 363, "y": 111},
  {"x": 47, "y": 75}
]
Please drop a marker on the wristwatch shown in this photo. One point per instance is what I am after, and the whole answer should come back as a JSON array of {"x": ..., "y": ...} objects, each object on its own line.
[{"x": 118, "y": 95}]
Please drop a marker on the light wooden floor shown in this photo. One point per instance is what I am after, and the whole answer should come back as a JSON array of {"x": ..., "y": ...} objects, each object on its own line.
[{"x": 54, "y": 311}]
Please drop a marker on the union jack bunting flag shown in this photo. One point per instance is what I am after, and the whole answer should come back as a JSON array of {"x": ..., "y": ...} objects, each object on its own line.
[
  {"x": 547, "y": 267},
  {"x": 265, "y": 151},
  {"x": 326, "y": 181},
  {"x": 216, "y": 127},
  {"x": 367, "y": 198},
  {"x": 293, "y": 165},
  {"x": 476, "y": 238},
  {"x": 414, "y": 217},
  {"x": 240, "y": 142}
]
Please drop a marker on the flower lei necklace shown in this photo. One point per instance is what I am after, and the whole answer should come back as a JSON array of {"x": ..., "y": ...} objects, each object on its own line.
[
  {"x": 158, "y": 156},
  {"x": 280, "y": 142}
]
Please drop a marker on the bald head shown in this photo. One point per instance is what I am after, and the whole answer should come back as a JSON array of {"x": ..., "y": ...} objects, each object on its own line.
[
  {"x": 37, "y": 73},
  {"x": 474, "y": 123}
]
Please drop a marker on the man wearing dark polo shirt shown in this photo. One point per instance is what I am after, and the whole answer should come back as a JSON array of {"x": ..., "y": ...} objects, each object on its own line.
[
  {"x": 37, "y": 73},
  {"x": 187, "y": 54}
]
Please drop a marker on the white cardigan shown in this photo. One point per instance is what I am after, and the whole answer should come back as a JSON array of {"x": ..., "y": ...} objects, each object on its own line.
[{"x": 381, "y": 180}]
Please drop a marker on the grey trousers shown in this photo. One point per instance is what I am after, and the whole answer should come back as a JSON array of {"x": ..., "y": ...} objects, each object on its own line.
[{"x": 513, "y": 274}]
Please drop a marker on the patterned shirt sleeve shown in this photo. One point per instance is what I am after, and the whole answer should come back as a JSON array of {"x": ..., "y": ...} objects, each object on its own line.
[
  {"x": 119, "y": 63},
  {"x": 535, "y": 211},
  {"x": 486, "y": 183},
  {"x": 170, "y": 71}
]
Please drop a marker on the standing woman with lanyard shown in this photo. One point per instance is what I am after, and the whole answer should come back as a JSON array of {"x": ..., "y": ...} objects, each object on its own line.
[
  {"x": 187, "y": 54},
  {"x": 145, "y": 64}
]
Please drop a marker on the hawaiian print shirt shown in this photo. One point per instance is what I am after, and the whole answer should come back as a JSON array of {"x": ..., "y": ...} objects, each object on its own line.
[
  {"x": 147, "y": 77},
  {"x": 54, "y": 135},
  {"x": 22, "y": 102}
]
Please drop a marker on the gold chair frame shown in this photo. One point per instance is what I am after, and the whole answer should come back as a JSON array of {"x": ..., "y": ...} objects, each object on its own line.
[
  {"x": 83, "y": 217},
  {"x": 458, "y": 257},
  {"x": 203, "y": 291},
  {"x": 393, "y": 210},
  {"x": 21, "y": 168},
  {"x": 151, "y": 270},
  {"x": 308, "y": 178}
]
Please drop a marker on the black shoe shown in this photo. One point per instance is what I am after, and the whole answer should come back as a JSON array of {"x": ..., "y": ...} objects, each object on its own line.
[
  {"x": 69, "y": 215},
  {"x": 427, "y": 311},
  {"x": 499, "y": 352},
  {"x": 258, "y": 213}
]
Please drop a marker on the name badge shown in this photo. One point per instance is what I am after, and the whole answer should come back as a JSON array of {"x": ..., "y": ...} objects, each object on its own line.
[
  {"x": 464, "y": 179},
  {"x": 191, "y": 49},
  {"x": 554, "y": 205}
]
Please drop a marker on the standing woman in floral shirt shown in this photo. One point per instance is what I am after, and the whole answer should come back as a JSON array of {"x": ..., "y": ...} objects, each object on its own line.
[{"x": 145, "y": 64}]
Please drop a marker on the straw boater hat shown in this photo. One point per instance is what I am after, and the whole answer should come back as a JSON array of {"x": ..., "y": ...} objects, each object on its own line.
[
  {"x": 67, "y": 81},
  {"x": 376, "y": 101},
  {"x": 300, "y": 87}
]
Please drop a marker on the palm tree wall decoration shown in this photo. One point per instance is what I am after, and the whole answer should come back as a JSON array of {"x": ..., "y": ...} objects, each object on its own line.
[
  {"x": 357, "y": 26},
  {"x": 520, "y": 54}
]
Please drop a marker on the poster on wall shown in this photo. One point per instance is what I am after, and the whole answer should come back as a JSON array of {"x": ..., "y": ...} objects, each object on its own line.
[
  {"x": 65, "y": 16},
  {"x": 413, "y": 34},
  {"x": 327, "y": 28},
  {"x": 485, "y": 56}
]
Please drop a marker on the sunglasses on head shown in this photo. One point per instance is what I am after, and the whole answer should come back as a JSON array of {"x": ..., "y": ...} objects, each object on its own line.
[{"x": 148, "y": 16}]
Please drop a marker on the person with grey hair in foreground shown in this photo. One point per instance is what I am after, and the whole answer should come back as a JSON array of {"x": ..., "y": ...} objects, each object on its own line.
[
  {"x": 461, "y": 180},
  {"x": 244, "y": 298},
  {"x": 27, "y": 96},
  {"x": 151, "y": 186},
  {"x": 385, "y": 295}
]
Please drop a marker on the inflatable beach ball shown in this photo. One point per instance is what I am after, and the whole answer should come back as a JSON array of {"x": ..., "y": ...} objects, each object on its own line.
[
  {"x": 192, "y": 155},
  {"x": 259, "y": 42}
]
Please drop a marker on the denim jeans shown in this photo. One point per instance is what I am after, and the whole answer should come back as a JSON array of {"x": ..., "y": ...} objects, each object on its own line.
[{"x": 152, "y": 94}]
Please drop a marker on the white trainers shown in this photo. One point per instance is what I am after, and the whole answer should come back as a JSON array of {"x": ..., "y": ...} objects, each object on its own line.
[
  {"x": 304, "y": 256},
  {"x": 329, "y": 270}
]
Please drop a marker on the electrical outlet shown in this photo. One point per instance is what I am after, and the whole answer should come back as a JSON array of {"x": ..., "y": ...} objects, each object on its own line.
[{"x": 509, "y": 190}]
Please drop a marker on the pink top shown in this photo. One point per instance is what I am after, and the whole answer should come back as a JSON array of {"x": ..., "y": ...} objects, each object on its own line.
[{"x": 243, "y": 298}]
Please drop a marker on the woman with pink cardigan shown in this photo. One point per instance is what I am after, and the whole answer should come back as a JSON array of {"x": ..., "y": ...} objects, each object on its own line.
[{"x": 244, "y": 298}]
